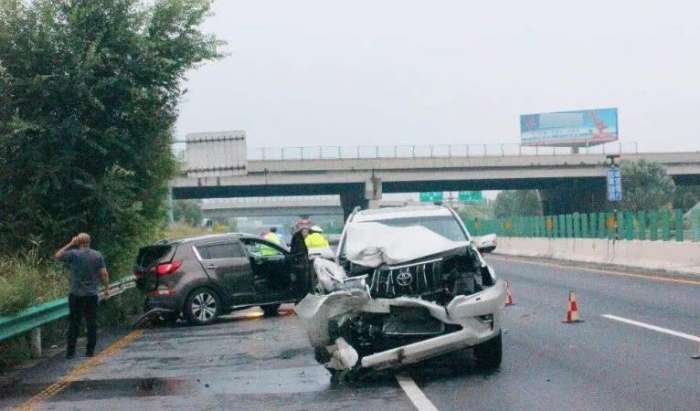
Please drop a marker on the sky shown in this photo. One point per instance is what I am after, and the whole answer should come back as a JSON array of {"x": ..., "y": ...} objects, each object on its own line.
[{"x": 309, "y": 73}]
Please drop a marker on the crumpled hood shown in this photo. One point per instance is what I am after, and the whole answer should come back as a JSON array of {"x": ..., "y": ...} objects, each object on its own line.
[{"x": 373, "y": 244}]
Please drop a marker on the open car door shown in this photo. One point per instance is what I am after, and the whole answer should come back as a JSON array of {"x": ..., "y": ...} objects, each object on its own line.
[{"x": 275, "y": 270}]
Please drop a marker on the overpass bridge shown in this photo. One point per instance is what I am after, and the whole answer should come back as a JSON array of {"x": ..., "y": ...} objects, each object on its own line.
[
  {"x": 286, "y": 206},
  {"x": 579, "y": 179}
]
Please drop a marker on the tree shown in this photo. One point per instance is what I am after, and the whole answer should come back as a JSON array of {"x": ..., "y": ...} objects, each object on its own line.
[
  {"x": 686, "y": 197},
  {"x": 645, "y": 185},
  {"x": 517, "y": 203},
  {"x": 189, "y": 211},
  {"x": 88, "y": 100}
]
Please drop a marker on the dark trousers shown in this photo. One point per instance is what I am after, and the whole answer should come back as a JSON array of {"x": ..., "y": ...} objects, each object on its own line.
[{"x": 79, "y": 307}]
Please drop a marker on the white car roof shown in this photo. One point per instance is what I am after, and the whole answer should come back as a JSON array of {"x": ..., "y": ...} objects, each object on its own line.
[{"x": 379, "y": 214}]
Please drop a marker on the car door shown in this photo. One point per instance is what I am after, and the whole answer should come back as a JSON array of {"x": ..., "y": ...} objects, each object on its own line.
[
  {"x": 227, "y": 263},
  {"x": 271, "y": 267}
]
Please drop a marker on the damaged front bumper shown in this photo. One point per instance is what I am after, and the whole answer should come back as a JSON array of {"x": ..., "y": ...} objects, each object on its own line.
[{"x": 469, "y": 320}]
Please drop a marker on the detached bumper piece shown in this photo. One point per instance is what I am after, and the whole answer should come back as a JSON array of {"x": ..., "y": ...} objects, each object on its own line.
[{"x": 151, "y": 315}]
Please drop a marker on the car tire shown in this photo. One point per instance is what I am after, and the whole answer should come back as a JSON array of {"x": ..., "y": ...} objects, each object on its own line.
[
  {"x": 202, "y": 306},
  {"x": 270, "y": 310},
  {"x": 490, "y": 353}
]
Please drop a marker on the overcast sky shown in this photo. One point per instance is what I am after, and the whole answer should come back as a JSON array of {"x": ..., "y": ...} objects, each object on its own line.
[{"x": 446, "y": 72}]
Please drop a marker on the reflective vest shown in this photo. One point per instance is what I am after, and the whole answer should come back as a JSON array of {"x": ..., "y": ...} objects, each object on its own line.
[
  {"x": 273, "y": 238},
  {"x": 316, "y": 240}
]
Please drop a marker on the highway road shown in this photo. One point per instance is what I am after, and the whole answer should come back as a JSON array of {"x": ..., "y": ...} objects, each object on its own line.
[{"x": 633, "y": 351}]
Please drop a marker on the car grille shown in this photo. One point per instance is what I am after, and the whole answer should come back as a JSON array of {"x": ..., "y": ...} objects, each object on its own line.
[{"x": 421, "y": 279}]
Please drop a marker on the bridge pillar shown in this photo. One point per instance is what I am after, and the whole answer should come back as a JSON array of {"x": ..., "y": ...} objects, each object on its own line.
[
  {"x": 573, "y": 197},
  {"x": 350, "y": 198}
]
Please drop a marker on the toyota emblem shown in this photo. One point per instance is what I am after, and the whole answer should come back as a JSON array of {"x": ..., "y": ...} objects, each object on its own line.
[{"x": 404, "y": 278}]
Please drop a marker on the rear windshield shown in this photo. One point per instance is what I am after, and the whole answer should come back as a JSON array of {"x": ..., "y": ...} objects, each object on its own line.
[{"x": 154, "y": 254}]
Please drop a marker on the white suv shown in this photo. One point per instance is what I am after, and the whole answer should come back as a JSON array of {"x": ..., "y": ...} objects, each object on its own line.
[{"x": 409, "y": 284}]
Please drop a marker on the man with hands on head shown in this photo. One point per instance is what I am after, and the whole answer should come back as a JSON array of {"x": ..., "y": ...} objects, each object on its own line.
[{"x": 87, "y": 269}]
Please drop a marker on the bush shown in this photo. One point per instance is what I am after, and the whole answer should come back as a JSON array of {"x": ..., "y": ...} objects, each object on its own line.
[{"x": 26, "y": 280}]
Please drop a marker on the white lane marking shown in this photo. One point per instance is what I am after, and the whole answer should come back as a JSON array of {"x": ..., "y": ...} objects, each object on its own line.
[
  {"x": 653, "y": 327},
  {"x": 417, "y": 397}
]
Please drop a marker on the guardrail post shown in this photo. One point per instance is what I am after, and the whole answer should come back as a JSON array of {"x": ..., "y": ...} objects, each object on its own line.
[
  {"x": 35, "y": 342},
  {"x": 680, "y": 226}
]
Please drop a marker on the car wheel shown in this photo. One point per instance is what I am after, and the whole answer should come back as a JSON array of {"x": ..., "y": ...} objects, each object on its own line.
[
  {"x": 202, "y": 307},
  {"x": 270, "y": 310},
  {"x": 489, "y": 354}
]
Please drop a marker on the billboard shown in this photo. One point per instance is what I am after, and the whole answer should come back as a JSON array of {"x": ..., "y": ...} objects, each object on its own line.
[
  {"x": 216, "y": 154},
  {"x": 569, "y": 128}
]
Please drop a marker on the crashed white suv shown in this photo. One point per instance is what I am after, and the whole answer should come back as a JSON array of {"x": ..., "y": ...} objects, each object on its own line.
[{"x": 408, "y": 284}]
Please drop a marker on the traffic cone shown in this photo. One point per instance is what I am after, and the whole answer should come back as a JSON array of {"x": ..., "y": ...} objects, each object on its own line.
[
  {"x": 696, "y": 356},
  {"x": 509, "y": 294},
  {"x": 572, "y": 312}
]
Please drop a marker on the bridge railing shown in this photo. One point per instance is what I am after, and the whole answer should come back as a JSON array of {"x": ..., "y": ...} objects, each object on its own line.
[
  {"x": 663, "y": 225},
  {"x": 428, "y": 151}
]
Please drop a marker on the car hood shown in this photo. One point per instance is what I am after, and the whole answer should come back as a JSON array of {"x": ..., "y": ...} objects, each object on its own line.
[{"x": 374, "y": 244}]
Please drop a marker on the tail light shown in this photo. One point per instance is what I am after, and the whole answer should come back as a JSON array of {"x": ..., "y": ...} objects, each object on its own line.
[{"x": 168, "y": 268}]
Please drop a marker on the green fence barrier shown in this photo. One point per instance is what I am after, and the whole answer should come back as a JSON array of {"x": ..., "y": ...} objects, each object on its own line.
[
  {"x": 642, "y": 220},
  {"x": 695, "y": 224},
  {"x": 653, "y": 225},
  {"x": 665, "y": 225},
  {"x": 679, "y": 226},
  {"x": 643, "y": 225}
]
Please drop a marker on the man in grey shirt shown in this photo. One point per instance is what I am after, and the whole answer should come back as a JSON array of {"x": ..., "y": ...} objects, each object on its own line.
[{"x": 87, "y": 268}]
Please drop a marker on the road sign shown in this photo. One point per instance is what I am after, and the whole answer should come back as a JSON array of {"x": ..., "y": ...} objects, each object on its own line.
[
  {"x": 470, "y": 196},
  {"x": 431, "y": 196},
  {"x": 614, "y": 184}
]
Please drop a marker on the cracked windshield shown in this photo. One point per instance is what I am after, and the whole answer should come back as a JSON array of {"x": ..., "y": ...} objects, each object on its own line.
[{"x": 366, "y": 205}]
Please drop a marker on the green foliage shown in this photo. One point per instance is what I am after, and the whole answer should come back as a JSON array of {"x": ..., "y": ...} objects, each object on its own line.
[
  {"x": 645, "y": 186},
  {"x": 88, "y": 99},
  {"x": 26, "y": 280},
  {"x": 686, "y": 197},
  {"x": 517, "y": 203},
  {"x": 481, "y": 211},
  {"x": 188, "y": 211}
]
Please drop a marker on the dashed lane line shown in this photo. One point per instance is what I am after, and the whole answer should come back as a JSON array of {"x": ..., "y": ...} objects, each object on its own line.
[
  {"x": 599, "y": 271},
  {"x": 652, "y": 327},
  {"x": 78, "y": 372},
  {"x": 417, "y": 397}
]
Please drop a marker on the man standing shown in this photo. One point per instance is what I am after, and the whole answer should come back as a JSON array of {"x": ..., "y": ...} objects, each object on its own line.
[
  {"x": 316, "y": 239},
  {"x": 87, "y": 268}
]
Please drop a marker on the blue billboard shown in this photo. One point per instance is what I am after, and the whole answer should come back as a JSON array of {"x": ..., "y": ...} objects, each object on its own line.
[{"x": 569, "y": 128}]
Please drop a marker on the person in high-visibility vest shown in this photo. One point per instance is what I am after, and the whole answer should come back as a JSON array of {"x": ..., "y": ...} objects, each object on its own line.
[
  {"x": 316, "y": 239},
  {"x": 272, "y": 237}
]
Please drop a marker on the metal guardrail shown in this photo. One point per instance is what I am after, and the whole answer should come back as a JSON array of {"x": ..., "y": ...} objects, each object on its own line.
[
  {"x": 428, "y": 151},
  {"x": 423, "y": 151},
  {"x": 34, "y": 317}
]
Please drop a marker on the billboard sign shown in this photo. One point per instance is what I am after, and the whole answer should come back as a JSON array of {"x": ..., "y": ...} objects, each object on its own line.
[
  {"x": 569, "y": 128},
  {"x": 614, "y": 184}
]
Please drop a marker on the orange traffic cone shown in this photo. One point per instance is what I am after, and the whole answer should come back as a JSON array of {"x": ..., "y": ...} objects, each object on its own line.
[
  {"x": 509, "y": 294},
  {"x": 572, "y": 312}
]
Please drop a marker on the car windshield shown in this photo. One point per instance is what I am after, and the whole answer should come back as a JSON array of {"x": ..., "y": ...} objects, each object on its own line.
[{"x": 446, "y": 226}]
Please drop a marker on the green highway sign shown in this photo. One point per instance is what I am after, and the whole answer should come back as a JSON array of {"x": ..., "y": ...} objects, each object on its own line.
[
  {"x": 471, "y": 196},
  {"x": 431, "y": 196}
]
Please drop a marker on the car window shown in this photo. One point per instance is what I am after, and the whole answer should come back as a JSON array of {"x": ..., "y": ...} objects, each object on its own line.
[
  {"x": 261, "y": 249},
  {"x": 223, "y": 250}
]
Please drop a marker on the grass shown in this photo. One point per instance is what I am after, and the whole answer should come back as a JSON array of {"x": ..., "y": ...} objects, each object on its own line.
[{"x": 26, "y": 280}]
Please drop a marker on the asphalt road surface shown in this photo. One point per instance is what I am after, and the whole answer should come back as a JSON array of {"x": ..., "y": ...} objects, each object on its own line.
[{"x": 633, "y": 351}]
